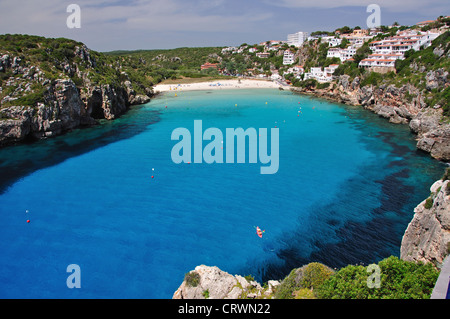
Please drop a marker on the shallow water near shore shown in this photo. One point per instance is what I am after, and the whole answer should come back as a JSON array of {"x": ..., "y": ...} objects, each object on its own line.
[{"x": 345, "y": 191}]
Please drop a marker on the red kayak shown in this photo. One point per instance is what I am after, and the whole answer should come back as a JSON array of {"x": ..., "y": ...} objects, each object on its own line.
[{"x": 259, "y": 232}]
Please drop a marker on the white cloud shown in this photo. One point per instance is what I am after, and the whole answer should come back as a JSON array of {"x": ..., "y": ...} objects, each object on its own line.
[
  {"x": 392, "y": 5},
  {"x": 159, "y": 15},
  {"x": 166, "y": 23}
]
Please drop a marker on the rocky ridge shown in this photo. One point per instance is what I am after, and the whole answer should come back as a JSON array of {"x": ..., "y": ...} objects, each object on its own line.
[
  {"x": 35, "y": 106},
  {"x": 213, "y": 283},
  {"x": 427, "y": 238}
]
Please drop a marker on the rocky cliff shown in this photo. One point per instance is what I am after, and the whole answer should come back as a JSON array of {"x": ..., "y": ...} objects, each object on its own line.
[
  {"x": 43, "y": 97},
  {"x": 427, "y": 238},
  {"x": 210, "y": 282}
]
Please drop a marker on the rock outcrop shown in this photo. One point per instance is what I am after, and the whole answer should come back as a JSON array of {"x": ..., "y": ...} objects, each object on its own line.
[
  {"x": 427, "y": 238},
  {"x": 61, "y": 104},
  {"x": 433, "y": 136},
  {"x": 213, "y": 283}
]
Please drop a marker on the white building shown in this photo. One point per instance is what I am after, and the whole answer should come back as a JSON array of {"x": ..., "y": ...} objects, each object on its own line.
[
  {"x": 403, "y": 42},
  {"x": 377, "y": 61},
  {"x": 334, "y": 53},
  {"x": 275, "y": 75},
  {"x": 229, "y": 49},
  {"x": 342, "y": 54},
  {"x": 321, "y": 76},
  {"x": 297, "y": 39},
  {"x": 348, "y": 53},
  {"x": 288, "y": 57},
  {"x": 296, "y": 70},
  {"x": 263, "y": 55},
  {"x": 386, "y": 51},
  {"x": 332, "y": 41}
]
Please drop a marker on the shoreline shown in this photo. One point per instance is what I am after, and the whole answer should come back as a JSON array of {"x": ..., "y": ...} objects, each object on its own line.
[{"x": 217, "y": 85}]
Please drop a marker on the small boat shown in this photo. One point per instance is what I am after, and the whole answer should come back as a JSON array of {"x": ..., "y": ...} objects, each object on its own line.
[{"x": 259, "y": 232}]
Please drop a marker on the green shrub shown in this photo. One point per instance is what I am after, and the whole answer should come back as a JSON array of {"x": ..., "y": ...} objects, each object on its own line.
[
  {"x": 429, "y": 203},
  {"x": 399, "y": 279},
  {"x": 304, "y": 293},
  {"x": 287, "y": 287},
  {"x": 30, "y": 99},
  {"x": 78, "y": 81},
  {"x": 314, "y": 275},
  {"x": 309, "y": 277},
  {"x": 323, "y": 85},
  {"x": 192, "y": 279},
  {"x": 373, "y": 78}
]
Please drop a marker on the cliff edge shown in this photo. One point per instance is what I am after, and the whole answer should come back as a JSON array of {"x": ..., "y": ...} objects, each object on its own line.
[
  {"x": 212, "y": 283},
  {"x": 51, "y": 86},
  {"x": 427, "y": 238}
]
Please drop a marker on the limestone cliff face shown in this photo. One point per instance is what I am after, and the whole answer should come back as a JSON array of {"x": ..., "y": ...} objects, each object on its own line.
[
  {"x": 213, "y": 283},
  {"x": 64, "y": 109},
  {"x": 427, "y": 237},
  {"x": 63, "y": 105}
]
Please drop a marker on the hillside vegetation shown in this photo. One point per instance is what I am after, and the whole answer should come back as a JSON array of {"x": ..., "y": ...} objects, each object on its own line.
[
  {"x": 398, "y": 279},
  {"x": 160, "y": 65},
  {"x": 34, "y": 62}
]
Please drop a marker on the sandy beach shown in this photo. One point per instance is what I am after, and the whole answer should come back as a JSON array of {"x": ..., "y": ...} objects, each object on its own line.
[{"x": 217, "y": 85}]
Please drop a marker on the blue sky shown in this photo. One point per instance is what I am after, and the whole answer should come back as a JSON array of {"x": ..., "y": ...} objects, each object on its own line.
[{"x": 161, "y": 24}]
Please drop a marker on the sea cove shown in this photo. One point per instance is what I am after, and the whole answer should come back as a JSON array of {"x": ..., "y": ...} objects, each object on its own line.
[{"x": 345, "y": 191}]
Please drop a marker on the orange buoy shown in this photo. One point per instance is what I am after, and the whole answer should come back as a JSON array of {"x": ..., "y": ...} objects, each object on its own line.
[
  {"x": 153, "y": 176},
  {"x": 28, "y": 220}
]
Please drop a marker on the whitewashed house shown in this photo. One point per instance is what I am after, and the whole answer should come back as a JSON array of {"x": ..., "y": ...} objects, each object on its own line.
[
  {"x": 325, "y": 75},
  {"x": 387, "y": 51},
  {"x": 334, "y": 53},
  {"x": 296, "y": 70},
  {"x": 297, "y": 39},
  {"x": 288, "y": 57},
  {"x": 342, "y": 54},
  {"x": 332, "y": 41},
  {"x": 228, "y": 49},
  {"x": 263, "y": 55}
]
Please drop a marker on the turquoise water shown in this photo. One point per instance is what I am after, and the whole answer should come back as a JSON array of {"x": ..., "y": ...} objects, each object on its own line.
[{"x": 344, "y": 193}]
